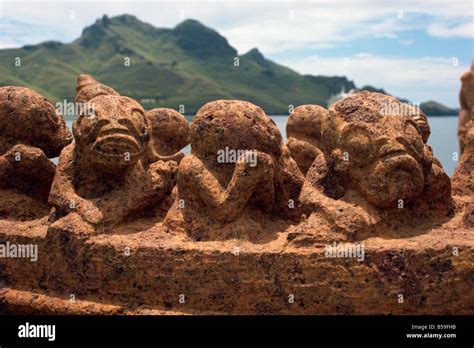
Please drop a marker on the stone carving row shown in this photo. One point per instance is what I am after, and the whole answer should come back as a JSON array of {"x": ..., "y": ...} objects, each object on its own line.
[{"x": 354, "y": 170}]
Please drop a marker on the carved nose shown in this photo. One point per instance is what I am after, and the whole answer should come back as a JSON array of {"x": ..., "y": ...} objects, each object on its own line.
[
  {"x": 114, "y": 126},
  {"x": 391, "y": 147}
]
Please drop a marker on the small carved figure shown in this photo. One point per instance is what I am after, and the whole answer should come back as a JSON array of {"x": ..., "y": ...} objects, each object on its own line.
[
  {"x": 31, "y": 131},
  {"x": 375, "y": 169},
  {"x": 170, "y": 132},
  {"x": 238, "y": 176},
  {"x": 304, "y": 129},
  {"x": 101, "y": 176},
  {"x": 304, "y": 134}
]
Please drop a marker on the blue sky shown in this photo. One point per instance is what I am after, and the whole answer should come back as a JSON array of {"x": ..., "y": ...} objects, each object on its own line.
[{"x": 413, "y": 49}]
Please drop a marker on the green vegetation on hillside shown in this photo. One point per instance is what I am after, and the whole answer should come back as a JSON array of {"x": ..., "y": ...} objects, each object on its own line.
[{"x": 188, "y": 65}]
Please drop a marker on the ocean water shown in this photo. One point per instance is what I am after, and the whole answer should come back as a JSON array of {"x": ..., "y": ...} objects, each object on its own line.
[{"x": 443, "y": 138}]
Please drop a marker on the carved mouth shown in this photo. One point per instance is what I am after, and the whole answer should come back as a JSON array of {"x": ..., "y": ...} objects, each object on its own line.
[
  {"x": 397, "y": 160},
  {"x": 391, "y": 155},
  {"x": 117, "y": 145}
]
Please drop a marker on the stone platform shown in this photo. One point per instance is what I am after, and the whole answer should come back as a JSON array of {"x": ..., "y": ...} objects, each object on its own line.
[{"x": 143, "y": 269}]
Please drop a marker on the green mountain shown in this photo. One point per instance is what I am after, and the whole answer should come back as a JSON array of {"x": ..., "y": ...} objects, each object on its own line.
[
  {"x": 430, "y": 108},
  {"x": 436, "y": 109},
  {"x": 188, "y": 65}
]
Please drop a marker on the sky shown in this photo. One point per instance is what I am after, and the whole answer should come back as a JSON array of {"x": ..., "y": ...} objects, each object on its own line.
[{"x": 413, "y": 49}]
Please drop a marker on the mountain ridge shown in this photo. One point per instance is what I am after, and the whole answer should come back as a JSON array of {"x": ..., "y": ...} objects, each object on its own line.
[{"x": 187, "y": 65}]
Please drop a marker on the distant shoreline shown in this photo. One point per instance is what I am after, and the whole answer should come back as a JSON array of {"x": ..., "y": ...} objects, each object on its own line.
[{"x": 71, "y": 118}]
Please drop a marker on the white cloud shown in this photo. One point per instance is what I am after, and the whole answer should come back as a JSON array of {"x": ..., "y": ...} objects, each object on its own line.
[
  {"x": 406, "y": 42},
  {"x": 276, "y": 26},
  {"x": 270, "y": 25},
  {"x": 422, "y": 79},
  {"x": 447, "y": 31}
]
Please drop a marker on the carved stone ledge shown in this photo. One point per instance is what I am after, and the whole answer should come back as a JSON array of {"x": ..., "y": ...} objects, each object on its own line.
[{"x": 240, "y": 277}]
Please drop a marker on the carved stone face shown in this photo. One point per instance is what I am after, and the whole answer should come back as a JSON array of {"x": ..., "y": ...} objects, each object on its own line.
[
  {"x": 383, "y": 156},
  {"x": 31, "y": 119},
  {"x": 112, "y": 132},
  {"x": 235, "y": 124}
]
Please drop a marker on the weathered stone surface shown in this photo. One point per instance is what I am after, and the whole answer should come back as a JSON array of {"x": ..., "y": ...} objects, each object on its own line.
[
  {"x": 31, "y": 130},
  {"x": 101, "y": 176},
  {"x": 304, "y": 134},
  {"x": 170, "y": 132},
  {"x": 375, "y": 173},
  {"x": 232, "y": 243},
  {"x": 239, "y": 180},
  {"x": 87, "y": 88},
  {"x": 431, "y": 268},
  {"x": 463, "y": 178}
]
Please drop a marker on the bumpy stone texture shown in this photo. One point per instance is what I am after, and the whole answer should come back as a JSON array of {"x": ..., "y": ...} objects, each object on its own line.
[
  {"x": 304, "y": 134},
  {"x": 101, "y": 177},
  {"x": 246, "y": 254},
  {"x": 31, "y": 131},
  {"x": 170, "y": 132},
  {"x": 463, "y": 178},
  {"x": 304, "y": 128},
  {"x": 375, "y": 174},
  {"x": 251, "y": 196},
  {"x": 432, "y": 268},
  {"x": 87, "y": 88}
]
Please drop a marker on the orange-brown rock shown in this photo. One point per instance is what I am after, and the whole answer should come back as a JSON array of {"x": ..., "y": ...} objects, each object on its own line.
[
  {"x": 239, "y": 180},
  {"x": 431, "y": 267},
  {"x": 101, "y": 176},
  {"x": 463, "y": 178},
  {"x": 170, "y": 132},
  {"x": 304, "y": 134},
  {"x": 87, "y": 88},
  {"x": 375, "y": 174},
  {"x": 31, "y": 130},
  {"x": 246, "y": 255}
]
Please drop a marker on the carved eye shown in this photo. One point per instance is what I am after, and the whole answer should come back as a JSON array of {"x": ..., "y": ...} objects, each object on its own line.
[
  {"x": 358, "y": 144},
  {"x": 411, "y": 129},
  {"x": 413, "y": 136}
]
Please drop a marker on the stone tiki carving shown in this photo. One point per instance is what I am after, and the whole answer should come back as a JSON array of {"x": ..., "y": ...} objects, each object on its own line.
[
  {"x": 31, "y": 131},
  {"x": 304, "y": 134},
  {"x": 170, "y": 132},
  {"x": 239, "y": 177},
  {"x": 101, "y": 176},
  {"x": 304, "y": 130},
  {"x": 375, "y": 173}
]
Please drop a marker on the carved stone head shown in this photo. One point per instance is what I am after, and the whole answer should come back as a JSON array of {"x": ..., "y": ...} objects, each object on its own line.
[
  {"x": 111, "y": 132},
  {"x": 376, "y": 145},
  {"x": 304, "y": 134},
  {"x": 170, "y": 131},
  {"x": 236, "y": 125},
  {"x": 28, "y": 118}
]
